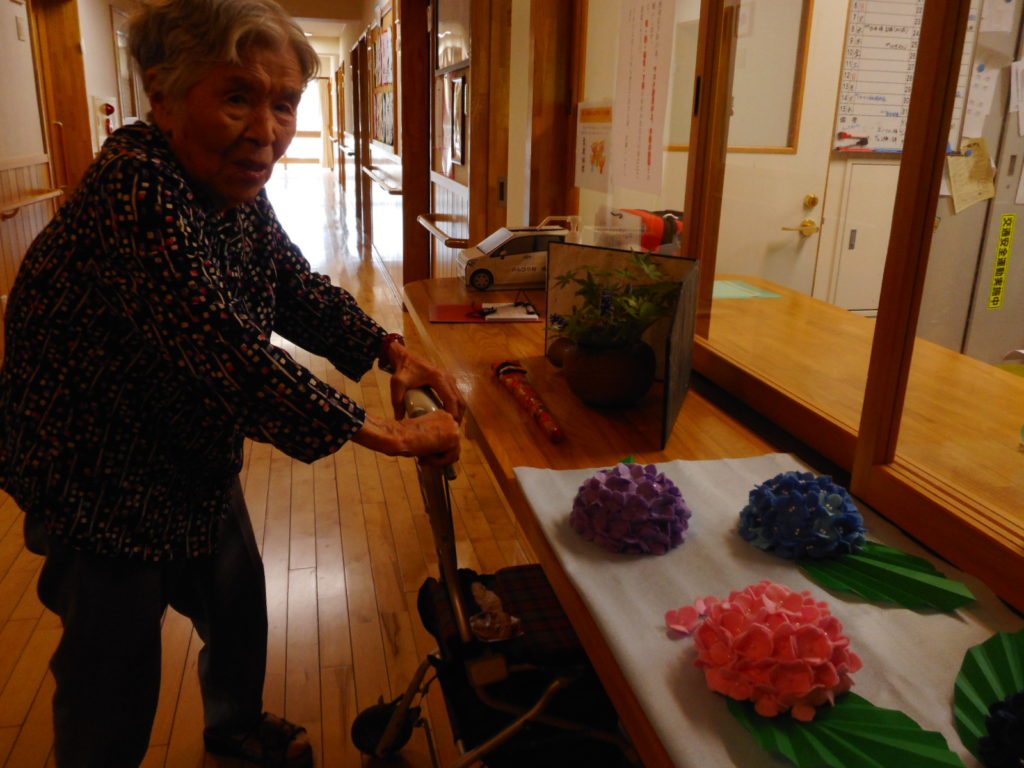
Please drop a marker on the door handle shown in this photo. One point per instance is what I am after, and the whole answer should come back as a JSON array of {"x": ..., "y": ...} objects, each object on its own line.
[{"x": 807, "y": 228}]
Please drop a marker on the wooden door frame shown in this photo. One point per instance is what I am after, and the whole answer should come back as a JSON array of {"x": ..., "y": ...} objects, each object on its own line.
[
  {"x": 361, "y": 123},
  {"x": 490, "y": 30},
  {"x": 557, "y": 45},
  {"x": 339, "y": 139},
  {"x": 60, "y": 68},
  {"x": 486, "y": 150},
  {"x": 709, "y": 131}
]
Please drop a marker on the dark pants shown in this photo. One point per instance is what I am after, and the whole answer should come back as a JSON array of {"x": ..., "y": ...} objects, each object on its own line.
[{"x": 107, "y": 665}]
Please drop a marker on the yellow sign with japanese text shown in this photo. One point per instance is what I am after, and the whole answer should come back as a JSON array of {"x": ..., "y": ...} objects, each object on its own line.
[{"x": 1004, "y": 248}]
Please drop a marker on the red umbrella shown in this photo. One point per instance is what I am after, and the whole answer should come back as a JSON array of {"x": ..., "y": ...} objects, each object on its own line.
[{"x": 513, "y": 375}]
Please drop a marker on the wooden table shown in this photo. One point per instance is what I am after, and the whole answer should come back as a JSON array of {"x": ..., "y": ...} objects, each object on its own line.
[{"x": 595, "y": 438}]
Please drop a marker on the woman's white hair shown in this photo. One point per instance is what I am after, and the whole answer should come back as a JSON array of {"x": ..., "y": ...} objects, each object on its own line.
[{"x": 180, "y": 39}]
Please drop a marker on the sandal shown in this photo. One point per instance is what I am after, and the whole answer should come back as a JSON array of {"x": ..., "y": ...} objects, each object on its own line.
[{"x": 273, "y": 743}]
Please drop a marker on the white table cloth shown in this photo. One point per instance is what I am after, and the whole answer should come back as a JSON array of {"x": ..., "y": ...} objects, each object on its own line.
[{"x": 911, "y": 658}]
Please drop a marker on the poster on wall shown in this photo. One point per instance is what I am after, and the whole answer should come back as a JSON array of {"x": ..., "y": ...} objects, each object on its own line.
[
  {"x": 593, "y": 146},
  {"x": 385, "y": 58},
  {"x": 641, "y": 93}
]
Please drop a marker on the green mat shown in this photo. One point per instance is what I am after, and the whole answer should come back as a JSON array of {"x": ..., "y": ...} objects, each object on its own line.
[{"x": 737, "y": 289}]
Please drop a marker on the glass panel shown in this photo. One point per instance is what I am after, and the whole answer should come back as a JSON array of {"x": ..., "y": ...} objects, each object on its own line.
[
  {"x": 802, "y": 245},
  {"x": 309, "y": 121},
  {"x": 785, "y": 305},
  {"x": 768, "y": 78},
  {"x": 631, "y": 188},
  {"x": 964, "y": 409},
  {"x": 127, "y": 90},
  {"x": 452, "y": 32}
]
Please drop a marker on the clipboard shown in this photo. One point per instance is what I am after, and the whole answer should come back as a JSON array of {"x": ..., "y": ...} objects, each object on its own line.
[{"x": 502, "y": 312}]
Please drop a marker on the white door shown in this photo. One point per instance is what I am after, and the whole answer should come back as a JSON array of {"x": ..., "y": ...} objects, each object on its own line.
[
  {"x": 864, "y": 225},
  {"x": 769, "y": 194}
]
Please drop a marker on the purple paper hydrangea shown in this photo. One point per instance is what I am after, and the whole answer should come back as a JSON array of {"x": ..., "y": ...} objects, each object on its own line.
[
  {"x": 796, "y": 514},
  {"x": 632, "y": 509}
]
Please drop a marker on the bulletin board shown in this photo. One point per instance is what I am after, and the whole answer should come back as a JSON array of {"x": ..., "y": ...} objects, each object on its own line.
[
  {"x": 878, "y": 74},
  {"x": 382, "y": 67}
]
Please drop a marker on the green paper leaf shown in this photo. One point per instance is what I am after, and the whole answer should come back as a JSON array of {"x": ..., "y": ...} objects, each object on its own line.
[
  {"x": 990, "y": 672},
  {"x": 882, "y": 574},
  {"x": 853, "y": 733}
]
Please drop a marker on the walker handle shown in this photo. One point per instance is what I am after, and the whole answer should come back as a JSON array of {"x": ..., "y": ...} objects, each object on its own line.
[{"x": 420, "y": 401}]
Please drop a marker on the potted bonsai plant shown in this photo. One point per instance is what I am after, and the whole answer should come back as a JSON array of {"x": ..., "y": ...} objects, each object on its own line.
[{"x": 605, "y": 359}]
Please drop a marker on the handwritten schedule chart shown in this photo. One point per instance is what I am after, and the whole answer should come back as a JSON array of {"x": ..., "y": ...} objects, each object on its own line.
[{"x": 878, "y": 75}]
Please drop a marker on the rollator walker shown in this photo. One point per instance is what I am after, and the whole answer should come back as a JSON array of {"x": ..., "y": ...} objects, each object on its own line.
[{"x": 517, "y": 685}]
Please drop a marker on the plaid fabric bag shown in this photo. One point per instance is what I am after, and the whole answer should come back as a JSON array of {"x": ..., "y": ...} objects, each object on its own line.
[{"x": 547, "y": 636}]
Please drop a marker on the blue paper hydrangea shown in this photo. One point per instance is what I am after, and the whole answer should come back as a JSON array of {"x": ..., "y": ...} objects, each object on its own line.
[
  {"x": 632, "y": 509},
  {"x": 799, "y": 515},
  {"x": 1003, "y": 745}
]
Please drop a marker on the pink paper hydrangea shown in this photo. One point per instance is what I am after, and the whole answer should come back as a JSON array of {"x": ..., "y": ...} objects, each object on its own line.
[{"x": 768, "y": 644}]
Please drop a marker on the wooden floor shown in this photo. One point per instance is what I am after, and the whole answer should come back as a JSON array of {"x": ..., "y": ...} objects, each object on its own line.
[{"x": 345, "y": 544}]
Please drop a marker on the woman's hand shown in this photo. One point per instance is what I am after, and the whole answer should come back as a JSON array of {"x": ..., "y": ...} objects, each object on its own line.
[
  {"x": 433, "y": 437},
  {"x": 410, "y": 371}
]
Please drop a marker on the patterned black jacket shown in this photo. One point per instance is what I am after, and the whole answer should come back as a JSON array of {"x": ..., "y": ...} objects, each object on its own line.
[{"x": 138, "y": 357}]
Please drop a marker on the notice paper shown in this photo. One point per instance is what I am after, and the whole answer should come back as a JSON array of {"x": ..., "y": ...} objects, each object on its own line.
[
  {"x": 641, "y": 93},
  {"x": 508, "y": 312},
  {"x": 984, "y": 81},
  {"x": 970, "y": 175},
  {"x": 593, "y": 146}
]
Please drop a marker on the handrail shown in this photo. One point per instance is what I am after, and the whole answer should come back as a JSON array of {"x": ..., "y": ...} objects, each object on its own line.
[
  {"x": 11, "y": 210},
  {"x": 381, "y": 180},
  {"x": 427, "y": 220}
]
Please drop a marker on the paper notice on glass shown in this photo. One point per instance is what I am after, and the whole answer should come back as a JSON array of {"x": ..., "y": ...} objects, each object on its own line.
[
  {"x": 1013, "y": 103},
  {"x": 997, "y": 16},
  {"x": 970, "y": 175},
  {"x": 984, "y": 80},
  {"x": 1019, "y": 199},
  {"x": 593, "y": 146},
  {"x": 641, "y": 93},
  {"x": 1017, "y": 94}
]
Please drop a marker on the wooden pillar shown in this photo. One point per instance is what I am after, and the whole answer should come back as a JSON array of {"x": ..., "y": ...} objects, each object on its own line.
[
  {"x": 555, "y": 36},
  {"x": 415, "y": 83}
]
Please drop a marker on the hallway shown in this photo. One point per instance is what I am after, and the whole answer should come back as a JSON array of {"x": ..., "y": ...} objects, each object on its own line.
[{"x": 345, "y": 545}]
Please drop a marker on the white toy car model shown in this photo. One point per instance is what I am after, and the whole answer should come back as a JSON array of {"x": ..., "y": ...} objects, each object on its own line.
[{"x": 512, "y": 257}]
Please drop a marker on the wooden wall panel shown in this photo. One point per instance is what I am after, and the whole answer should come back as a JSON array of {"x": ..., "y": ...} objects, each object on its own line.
[
  {"x": 18, "y": 231},
  {"x": 386, "y": 203},
  {"x": 451, "y": 212}
]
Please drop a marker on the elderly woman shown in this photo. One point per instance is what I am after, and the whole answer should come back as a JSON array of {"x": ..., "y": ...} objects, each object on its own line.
[{"x": 139, "y": 357}]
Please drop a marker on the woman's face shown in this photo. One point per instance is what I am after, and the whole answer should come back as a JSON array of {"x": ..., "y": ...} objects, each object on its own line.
[{"x": 234, "y": 124}]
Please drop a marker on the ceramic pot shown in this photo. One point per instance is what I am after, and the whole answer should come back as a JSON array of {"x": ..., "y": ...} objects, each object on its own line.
[
  {"x": 556, "y": 351},
  {"x": 609, "y": 376}
]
